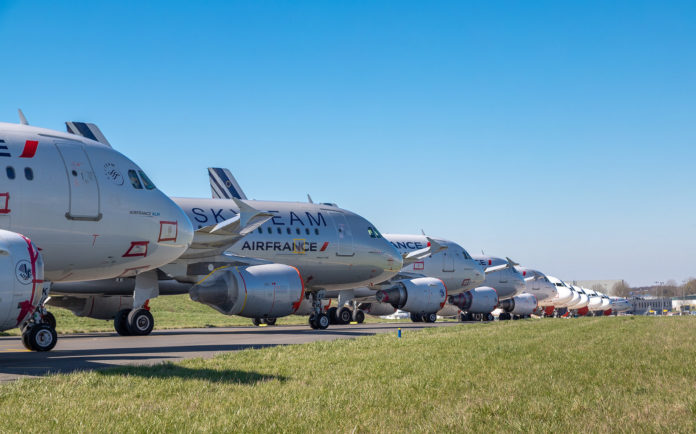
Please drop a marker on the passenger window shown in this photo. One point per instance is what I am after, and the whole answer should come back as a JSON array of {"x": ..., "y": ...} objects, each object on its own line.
[
  {"x": 280, "y": 231},
  {"x": 316, "y": 231},
  {"x": 289, "y": 231},
  {"x": 28, "y": 173},
  {"x": 260, "y": 230},
  {"x": 148, "y": 184},
  {"x": 10, "y": 172},
  {"x": 307, "y": 231},
  {"x": 297, "y": 231},
  {"x": 134, "y": 180},
  {"x": 270, "y": 231}
]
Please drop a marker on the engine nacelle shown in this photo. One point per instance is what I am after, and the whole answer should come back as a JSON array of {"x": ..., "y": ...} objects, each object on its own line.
[
  {"x": 21, "y": 279},
  {"x": 92, "y": 306},
  {"x": 377, "y": 309},
  {"x": 478, "y": 300},
  {"x": 521, "y": 305},
  {"x": 257, "y": 291},
  {"x": 421, "y": 295}
]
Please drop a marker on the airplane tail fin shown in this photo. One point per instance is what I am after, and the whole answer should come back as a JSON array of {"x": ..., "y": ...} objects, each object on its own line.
[
  {"x": 223, "y": 185},
  {"x": 87, "y": 130}
]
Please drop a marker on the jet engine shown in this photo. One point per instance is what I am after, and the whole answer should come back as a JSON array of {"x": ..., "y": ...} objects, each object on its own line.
[
  {"x": 257, "y": 291},
  {"x": 93, "y": 306},
  {"x": 478, "y": 300},
  {"x": 21, "y": 279},
  {"x": 420, "y": 295},
  {"x": 522, "y": 305},
  {"x": 377, "y": 309}
]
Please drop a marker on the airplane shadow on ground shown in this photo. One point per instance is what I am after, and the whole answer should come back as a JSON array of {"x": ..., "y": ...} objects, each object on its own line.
[{"x": 170, "y": 370}]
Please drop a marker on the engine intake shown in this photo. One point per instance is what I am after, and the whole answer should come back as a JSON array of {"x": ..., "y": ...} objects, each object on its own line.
[
  {"x": 258, "y": 291},
  {"x": 478, "y": 300},
  {"x": 420, "y": 295}
]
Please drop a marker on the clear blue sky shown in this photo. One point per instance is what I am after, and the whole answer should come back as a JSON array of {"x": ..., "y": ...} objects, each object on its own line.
[{"x": 560, "y": 134}]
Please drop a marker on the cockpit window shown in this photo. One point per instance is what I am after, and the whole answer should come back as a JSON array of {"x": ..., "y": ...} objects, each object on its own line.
[
  {"x": 371, "y": 232},
  {"x": 466, "y": 254},
  {"x": 379, "y": 235},
  {"x": 134, "y": 180},
  {"x": 148, "y": 184}
]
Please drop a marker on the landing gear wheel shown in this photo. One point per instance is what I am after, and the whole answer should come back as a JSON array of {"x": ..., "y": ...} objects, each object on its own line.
[
  {"x": 333, "y": 318},
  {"x": 430, "y": 317},
  {"x": 322, "y": 321},
  {"x": 359, "y": 317},
  {"x": 40, "y": 337},
  {"x": 416, "y": 317},
  {"x": 257, "y": 321},
  {"x": 489, "y": 317},
  {"x": 121, "y": 322},
  {"x": 312, "y": 322},
  {"x": 140, "y": 322},
  {"x": 345, "y": 316},
  {"x": 271, "y": 321},
  {"x": 49, "y": 319}
]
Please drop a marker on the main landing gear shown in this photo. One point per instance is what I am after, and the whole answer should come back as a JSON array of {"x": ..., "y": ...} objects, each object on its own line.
[
  {"x": 318, "y": 320},
  {"x": 346, "y": 315},
  {"x": 39, "y": 333},
  {"x": 268, "y": 321},
  {"x": 424, "y": 317}
]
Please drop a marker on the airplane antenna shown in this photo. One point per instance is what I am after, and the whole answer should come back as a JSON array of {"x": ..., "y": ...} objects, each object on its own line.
[
  {"x": 22, "y": 119},
  {"x": 309, "y": 198}
]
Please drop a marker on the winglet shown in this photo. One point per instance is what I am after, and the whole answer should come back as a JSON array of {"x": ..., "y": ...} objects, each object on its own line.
[
  {"x": 422, "y": 232},
  {"x": 309, "y": 198},
  {"x": 512, "y": 263},
  {"x": 22, "y": 119},
  {"x": 248, "y": 212},
  {"x": 433, "y": 247}
]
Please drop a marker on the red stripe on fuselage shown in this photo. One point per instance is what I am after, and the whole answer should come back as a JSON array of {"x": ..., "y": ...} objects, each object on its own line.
[{"x": 29, "y": 149}]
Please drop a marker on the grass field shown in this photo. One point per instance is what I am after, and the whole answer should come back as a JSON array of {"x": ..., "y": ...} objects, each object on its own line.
[
  {"x": 591, "y": 374},
  {"x": 170, "y": 312}
]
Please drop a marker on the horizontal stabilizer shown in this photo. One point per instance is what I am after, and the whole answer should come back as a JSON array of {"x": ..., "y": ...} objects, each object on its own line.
[
  {"x": 87, "y": 130},
  {"x": 509, "y": 264}
]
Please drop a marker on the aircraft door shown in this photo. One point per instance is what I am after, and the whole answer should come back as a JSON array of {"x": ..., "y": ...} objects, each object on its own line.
[
  {"x": 447, "y": 261},
  {"x": 345, "y": 235},
  {"x": 84, "y": 190}
]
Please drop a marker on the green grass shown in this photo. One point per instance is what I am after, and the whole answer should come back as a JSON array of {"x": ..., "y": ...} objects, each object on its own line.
[
  {"x": 590, "y": 374},
  {"x": 170, "y": 312}
]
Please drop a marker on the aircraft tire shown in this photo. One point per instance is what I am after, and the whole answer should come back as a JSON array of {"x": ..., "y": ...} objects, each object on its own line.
[
  {"x": 121, "y": 322},
  {"x": 430, "y": 317},
  {"x": 490, "y": 317},
  {"x": 312, "y": 322},
  {"x": 41, "y": 337},
  {"x": 140, "y": 322},
  {"x": 49, "y": 319},
  {"x": 256, "y": 321},
  {"x": 359, "y": 316},
  {"x": 322, "y": 321},
  {"x": 25, "y": 339},
  {"x": 344, "y": 316},
  {"x": 271, "y": 321},
  {"x": 416, "y": 317}
]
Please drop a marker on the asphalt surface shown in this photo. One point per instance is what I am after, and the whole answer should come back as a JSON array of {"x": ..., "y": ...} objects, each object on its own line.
[{"x": 88, "y": 351}]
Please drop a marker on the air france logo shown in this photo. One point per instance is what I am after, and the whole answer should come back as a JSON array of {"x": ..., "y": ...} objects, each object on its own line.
[
  {"x": 23, "y": 272},
  {"x": 113, "y": 174}
]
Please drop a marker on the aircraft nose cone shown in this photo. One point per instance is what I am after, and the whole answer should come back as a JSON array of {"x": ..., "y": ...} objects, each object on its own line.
[{"x": 564, "y": 294}]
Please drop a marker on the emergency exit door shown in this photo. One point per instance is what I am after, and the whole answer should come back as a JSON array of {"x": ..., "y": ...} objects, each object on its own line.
[{"x": 84, "y": 190}]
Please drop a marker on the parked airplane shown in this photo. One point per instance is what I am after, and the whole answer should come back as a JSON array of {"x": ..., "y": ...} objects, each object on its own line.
[
  {"x": 435, "y": 270},
  {"x": 73, "y": 208},
  {"x": 297, "y": 251}
]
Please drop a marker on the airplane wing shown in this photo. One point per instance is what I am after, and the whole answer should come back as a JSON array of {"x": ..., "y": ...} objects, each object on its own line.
[
  {"x": 417, "y": 255},
  {"x": 214, "y": 239}
]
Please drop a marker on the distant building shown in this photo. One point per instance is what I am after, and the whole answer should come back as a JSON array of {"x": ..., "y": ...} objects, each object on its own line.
[
  {"x": 643, "y": 305},
  {"x": 606, "y": 284},
  {"x": 684, "y": 304}
]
